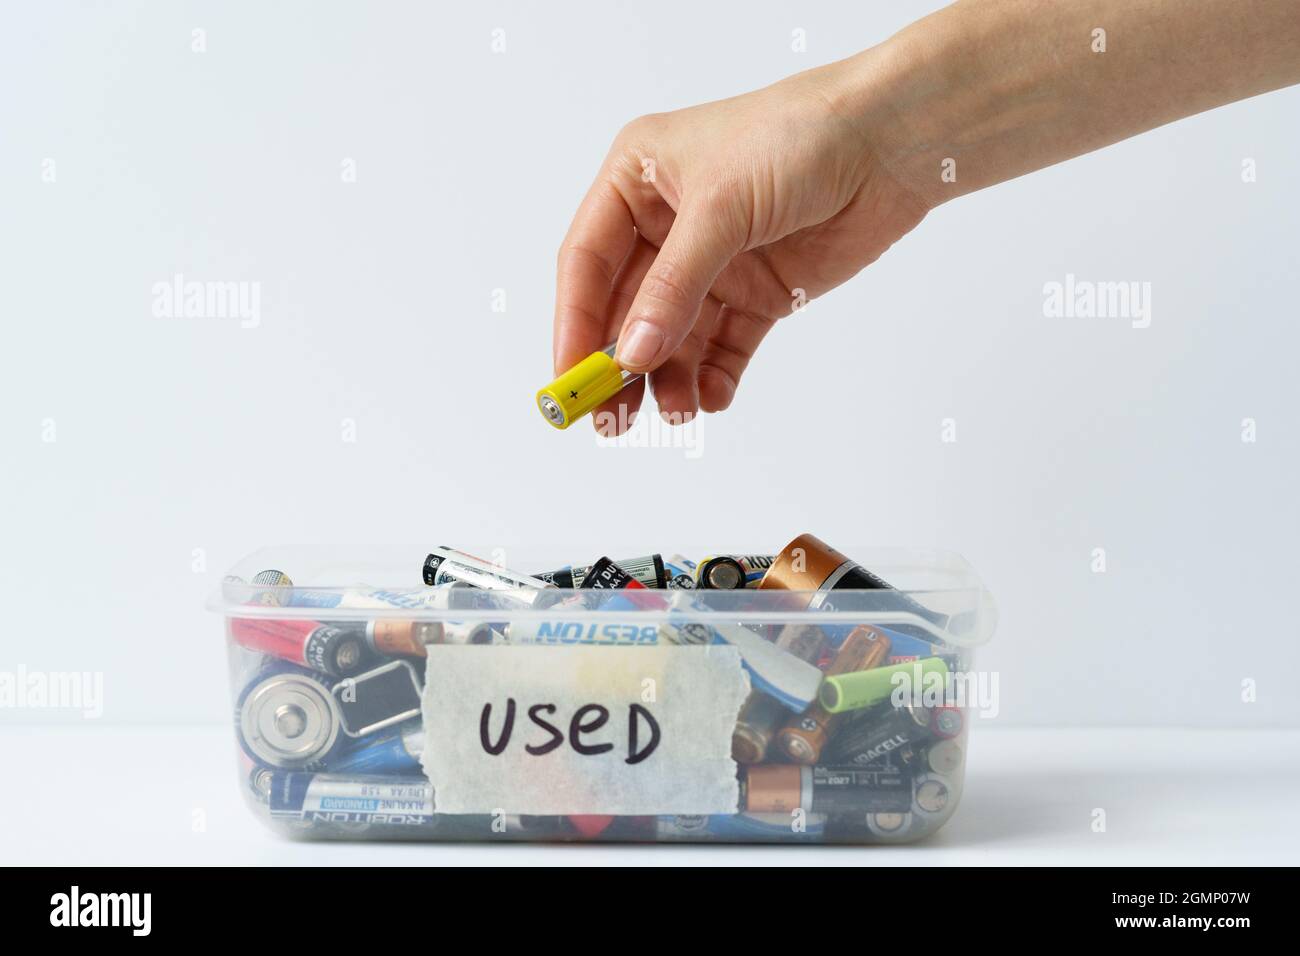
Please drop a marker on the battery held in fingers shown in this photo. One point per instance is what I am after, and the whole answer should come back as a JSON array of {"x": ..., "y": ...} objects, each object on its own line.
[{"x": 577, "y": 392}]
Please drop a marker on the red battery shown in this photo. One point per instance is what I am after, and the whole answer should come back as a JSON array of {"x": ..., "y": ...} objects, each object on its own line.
[{"x": 337, "y": 650}]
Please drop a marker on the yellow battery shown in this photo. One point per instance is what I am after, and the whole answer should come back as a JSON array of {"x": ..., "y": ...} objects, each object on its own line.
[{"x": 579, "y": 390}]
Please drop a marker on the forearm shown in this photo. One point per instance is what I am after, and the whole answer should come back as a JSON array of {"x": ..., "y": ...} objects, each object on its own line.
[{"x": 987, "y": 90}]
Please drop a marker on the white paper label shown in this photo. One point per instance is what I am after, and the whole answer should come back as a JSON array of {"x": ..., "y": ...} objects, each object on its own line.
[{"x": 592, "y": 730}]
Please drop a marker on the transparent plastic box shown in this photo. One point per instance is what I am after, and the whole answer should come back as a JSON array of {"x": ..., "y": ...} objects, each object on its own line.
[{"x": 661, "y": 714}]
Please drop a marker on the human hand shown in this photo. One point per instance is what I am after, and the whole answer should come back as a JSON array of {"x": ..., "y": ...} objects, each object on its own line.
[{"x": 706, "y": 225}]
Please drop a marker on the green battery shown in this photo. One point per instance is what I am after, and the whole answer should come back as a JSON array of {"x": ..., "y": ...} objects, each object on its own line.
[{"x": 859, "y": 689}]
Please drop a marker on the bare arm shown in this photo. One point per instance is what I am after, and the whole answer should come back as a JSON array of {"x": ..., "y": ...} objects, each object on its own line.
[{"x": 703, "y": 223}]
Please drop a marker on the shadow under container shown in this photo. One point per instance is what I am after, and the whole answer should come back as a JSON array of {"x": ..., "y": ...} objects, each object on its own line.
[{"x": 340, "y": 688}]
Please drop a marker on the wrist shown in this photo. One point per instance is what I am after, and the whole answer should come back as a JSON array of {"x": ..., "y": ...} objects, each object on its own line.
[{"x": 923, "y": 101}]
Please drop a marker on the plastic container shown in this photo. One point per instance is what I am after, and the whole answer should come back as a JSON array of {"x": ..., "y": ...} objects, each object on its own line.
[{"x": 655, "y": 715}]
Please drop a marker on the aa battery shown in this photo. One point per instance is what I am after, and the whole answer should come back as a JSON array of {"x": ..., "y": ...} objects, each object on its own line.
[
  {"x": 933, "y": 795},
  {"x": 803, "y": 736},
  {"x": 379, "y": 698},
  {"x": 606, "y": 575},
  {"x": 781, "y": 788},
  {"x": 394, "y": 638},
  {"x": 729, "y": 572},
  {"x": 582, "y": 388},
  {"x": 772, "y": 670},
  {"x": 649, "y": 570},
  {"x": 363, "y": 597},
  {"x": 394, "y": 752},
  {"x": 809, "y": 564},
  {"x": 761, "y": 715},
  {"x": 946, "y": 722},
  {"x": 334, "y": 649},
  {"x": 287, "y": 718},
  {"x": 321, "y": 798},
  {"x": 466, "y": 632},
  {"x": 879, "y": 735},
  {"x": 908, "y": 647},
  {"x": 445, "y": 565},
  {"x": 944, "y": 757},
  {"x": 681, "y": 573},
  {"x": 562, "y": 633},
  {"x": 862, "y": 689},
  {"x": 890, "y": 826}
]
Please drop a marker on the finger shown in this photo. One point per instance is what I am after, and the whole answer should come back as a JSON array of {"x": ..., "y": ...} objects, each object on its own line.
[
  {"x": 619, "y": 413},
  {"x": 675, "y": 384},
  {"x": 726, "y": 355},
  {"x": 699, "y": 245},
  {"x": 599, "y": 240}
]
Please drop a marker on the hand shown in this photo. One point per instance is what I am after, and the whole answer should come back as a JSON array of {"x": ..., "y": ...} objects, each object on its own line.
[
  {"x": 703, "y": 223},
  {"x": 707, "y": 225}
]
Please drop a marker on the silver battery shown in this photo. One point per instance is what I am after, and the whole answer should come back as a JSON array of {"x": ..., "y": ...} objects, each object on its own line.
[
  {"x": 445, "y": 566},
  {"x": 944, "y": 757},
  {"x": 932, "y": 795},
  {"x": 289, "y": 720}
]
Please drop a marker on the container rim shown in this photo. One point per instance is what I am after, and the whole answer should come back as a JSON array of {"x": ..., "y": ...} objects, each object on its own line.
[{"x": 705, "y": 606}]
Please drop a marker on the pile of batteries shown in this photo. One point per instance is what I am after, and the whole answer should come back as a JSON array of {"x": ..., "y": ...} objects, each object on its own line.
[{"x": 328, "y": 711}]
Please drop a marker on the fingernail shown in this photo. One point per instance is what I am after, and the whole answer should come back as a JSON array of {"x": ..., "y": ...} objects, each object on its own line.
[{"x": 639, "y": 346}]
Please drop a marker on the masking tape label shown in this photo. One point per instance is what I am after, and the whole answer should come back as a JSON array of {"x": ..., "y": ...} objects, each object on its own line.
[{"x": 582, "y": 730}]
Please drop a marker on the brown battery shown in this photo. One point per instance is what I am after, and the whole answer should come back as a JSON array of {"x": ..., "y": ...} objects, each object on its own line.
[
  {"x": 806, "y": 564},
  {"x": 777, "y": 788},
  {"x": 402, "y": 638},
  {"x": 762, "y": 715},
  {"x": 804, "y": 735}
]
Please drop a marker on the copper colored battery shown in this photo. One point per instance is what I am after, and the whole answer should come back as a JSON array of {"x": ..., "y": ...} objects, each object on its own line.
[
  {"x": 762, "y": 715},
  {"x": 804, "y": 735},
  {"x": 402, "y": 638},
  {"x": 809, "y": 564},
  {"x": 776, "y": 788},
  {"x": 806, "y": 564}
]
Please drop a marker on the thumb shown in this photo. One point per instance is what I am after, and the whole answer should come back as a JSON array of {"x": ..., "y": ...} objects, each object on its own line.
[{"x": 698, "y": 247}]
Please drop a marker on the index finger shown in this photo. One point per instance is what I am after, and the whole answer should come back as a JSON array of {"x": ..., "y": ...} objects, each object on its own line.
[{"x": 600, "y": 239}]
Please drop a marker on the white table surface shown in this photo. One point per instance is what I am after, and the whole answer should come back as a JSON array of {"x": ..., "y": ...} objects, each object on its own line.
[{"x": 134, "y": 795}]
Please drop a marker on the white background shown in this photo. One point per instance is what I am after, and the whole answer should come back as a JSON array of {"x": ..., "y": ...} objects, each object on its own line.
[{"x": 181, "y": 444}]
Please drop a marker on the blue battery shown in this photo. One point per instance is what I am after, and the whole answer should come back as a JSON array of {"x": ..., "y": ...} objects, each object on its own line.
[
  {"x": 395, "y": 752},
  {"x": 319, "y": 798}
]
